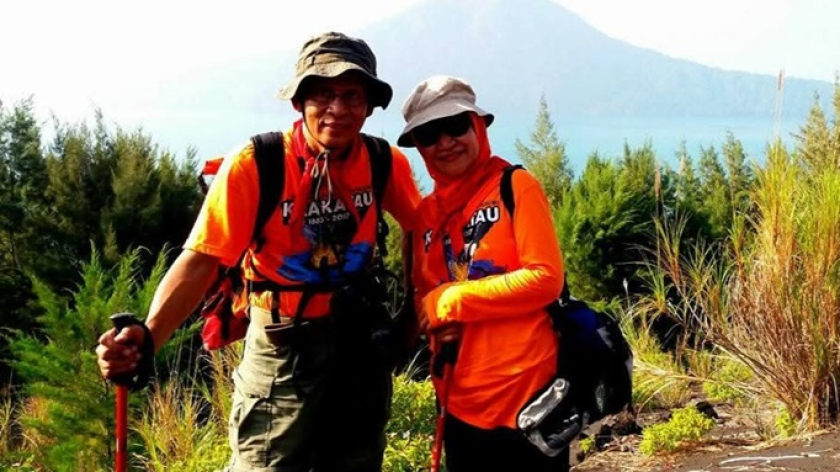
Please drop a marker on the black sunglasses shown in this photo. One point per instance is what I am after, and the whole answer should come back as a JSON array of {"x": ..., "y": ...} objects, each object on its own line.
[{"x": 455, "y": 126}]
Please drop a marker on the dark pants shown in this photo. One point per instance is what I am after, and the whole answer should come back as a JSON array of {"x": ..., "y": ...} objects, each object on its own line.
[{"x": 471, "y": 449}]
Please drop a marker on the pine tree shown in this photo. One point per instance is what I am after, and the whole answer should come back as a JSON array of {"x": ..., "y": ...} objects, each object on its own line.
[
  {"x": 643, "y": 179},
  {"x": 818, "y": 141},
  {"x": 595, "y": 223},
  {"x": 545, "y": 156},
  {"x": 716, "y": 205},
  {"x": 76, "y": 430},
  {"x": 738, "y": 171},
  {"x": 687, "y": 184},
  {"x": 22, "y": 178},
  {"x": 688, "y": 198},
  {"x": 118, "y": 191}
]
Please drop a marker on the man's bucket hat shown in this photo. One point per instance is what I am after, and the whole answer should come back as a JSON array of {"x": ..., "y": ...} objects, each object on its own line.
[
  {"x": 438, "y": 97},
  {"x": 332, "y": 54}
]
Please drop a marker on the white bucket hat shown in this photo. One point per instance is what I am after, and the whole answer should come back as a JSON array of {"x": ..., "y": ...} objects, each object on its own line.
[{"x": 438, "y": 97}]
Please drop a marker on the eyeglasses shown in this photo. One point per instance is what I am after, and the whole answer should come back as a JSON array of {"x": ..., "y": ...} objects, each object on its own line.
[
  {"x": 455, "y": 126},
  {"x": 324, "y": 97}
]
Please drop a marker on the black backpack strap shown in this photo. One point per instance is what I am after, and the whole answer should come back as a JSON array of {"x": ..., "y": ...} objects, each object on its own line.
[
  {"x": 269, "y": 154},
  {"x": 381, "y": 162},
  {"x": 506, "y": 188},
  {"x": 380, "y": 165},
  {"x": 509, "y": 202}
]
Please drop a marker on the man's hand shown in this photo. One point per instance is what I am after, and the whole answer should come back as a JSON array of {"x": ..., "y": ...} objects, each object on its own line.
[
  {"x": 119, "y": 353},
  {"x": 177, "y": 296}
]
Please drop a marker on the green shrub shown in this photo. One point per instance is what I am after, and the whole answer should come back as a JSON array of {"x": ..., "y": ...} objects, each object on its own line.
[
  {"x": 71, "y": 427},
  {"x": 412, "y": 427},
  {"x": 587, "y": 446},
  {"x": 725, "y": 383},
  {"x": 785, "y": 425},
  {"x": 686, "y": 425}
]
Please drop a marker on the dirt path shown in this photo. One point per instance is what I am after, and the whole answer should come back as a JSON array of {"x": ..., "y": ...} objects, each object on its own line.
[
  {"x": 816, "y": 454},
  {"x": 820, "y": 453},
  {"x": 733, "y": 445}
]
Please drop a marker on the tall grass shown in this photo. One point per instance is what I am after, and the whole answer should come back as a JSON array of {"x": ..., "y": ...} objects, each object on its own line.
[
  {"x": 659, "y": 378},
  {"x": 175, "y": 434},
  {"x": 770, "y": 295},
  {"x": 7, "y": 422},
  {"x": 183, "y": 426}
]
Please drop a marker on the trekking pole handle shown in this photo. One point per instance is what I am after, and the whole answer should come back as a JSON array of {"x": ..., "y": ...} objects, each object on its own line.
[
  {"x": 449, "y": 352},
  {"x": 122, "y": 320}
]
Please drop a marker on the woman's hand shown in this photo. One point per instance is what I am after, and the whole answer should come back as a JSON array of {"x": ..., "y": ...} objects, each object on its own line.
[
  {"x": 448, "y": 333},
  {"x": 445, "y": 333}
]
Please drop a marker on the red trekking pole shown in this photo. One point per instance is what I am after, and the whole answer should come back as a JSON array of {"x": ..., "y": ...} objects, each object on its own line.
[
  {"x": 122, "y": 428},
  {"x": 120, "y": 321},
  {"x": 448, "y": 354}
]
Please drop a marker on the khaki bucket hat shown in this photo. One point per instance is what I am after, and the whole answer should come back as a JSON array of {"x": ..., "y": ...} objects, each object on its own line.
[
  {"x": 438, "y": 97},
  {"x": 332, "y": 54}
]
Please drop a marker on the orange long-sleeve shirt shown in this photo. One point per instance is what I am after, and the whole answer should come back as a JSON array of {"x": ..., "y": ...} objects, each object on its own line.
[{"x": 497, "y": 286}]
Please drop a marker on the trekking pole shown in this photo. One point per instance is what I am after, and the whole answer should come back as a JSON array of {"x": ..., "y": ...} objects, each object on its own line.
[
  {"x": 120, "y": 321},
  {"x": 448, "y": 353}
]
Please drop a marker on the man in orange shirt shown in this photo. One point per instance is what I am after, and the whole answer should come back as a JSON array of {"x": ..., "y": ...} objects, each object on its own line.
[
  {"x": 483, "y": 278},
  {"x": 310, "y": 392}
]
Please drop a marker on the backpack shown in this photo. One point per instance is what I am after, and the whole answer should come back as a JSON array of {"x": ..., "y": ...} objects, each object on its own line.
[
  {"x": 594, "y": 356},
  {"x": 225, "y": 320}
]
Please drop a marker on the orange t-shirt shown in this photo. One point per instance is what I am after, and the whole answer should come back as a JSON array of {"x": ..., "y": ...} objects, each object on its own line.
[
  {"x": 328, "y": 233},
  {"x": 497, "y": 286}
]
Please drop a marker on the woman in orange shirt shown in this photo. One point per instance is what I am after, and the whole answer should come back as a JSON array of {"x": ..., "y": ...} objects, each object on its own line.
[{"x": 483, "y": 277}]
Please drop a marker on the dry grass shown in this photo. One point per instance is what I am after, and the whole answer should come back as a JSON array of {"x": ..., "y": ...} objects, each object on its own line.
[
  {"x": 7, "y": 423},
  {"x": 659, "y": 379},
  {"x": 183, "y": 427},
  {"x": 771, "y": 298},
  {"x": 218, "y": 394},
  {"x": 34, "y": 409}
]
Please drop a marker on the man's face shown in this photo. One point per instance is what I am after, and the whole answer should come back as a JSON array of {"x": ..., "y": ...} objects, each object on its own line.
[{"x": 334, "y": 110}]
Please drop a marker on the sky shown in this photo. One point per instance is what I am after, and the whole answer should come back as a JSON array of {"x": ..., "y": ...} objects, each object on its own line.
[{"x": 77, "y": 55}]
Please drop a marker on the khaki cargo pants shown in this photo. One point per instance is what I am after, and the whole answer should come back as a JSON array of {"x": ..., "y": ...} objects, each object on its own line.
[{"x": 329, "y": 418}]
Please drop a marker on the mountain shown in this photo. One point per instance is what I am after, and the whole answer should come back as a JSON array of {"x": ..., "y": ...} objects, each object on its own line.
[{"x": 512, "y": 52}]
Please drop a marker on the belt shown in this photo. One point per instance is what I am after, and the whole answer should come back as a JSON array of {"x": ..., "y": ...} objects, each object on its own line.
[
  {"x": 287, "y": 331},
  {"x": 262, "y": 317}
]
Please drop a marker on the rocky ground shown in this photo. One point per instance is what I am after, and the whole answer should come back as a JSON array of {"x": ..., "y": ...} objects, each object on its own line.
[{"x": 733, "y": 445}]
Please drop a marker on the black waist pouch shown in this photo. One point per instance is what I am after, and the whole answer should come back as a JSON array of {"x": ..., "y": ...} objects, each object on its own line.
[{"x": 365, "y": 318}]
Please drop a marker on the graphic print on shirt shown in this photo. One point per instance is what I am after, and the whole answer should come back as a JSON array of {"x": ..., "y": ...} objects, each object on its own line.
[
  {"x": 465, "y": 266},
  {"x": 329, "y": 227}
]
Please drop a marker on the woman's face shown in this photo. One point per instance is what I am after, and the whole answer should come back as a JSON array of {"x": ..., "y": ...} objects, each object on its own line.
[{"x": 448, "y": 145}]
